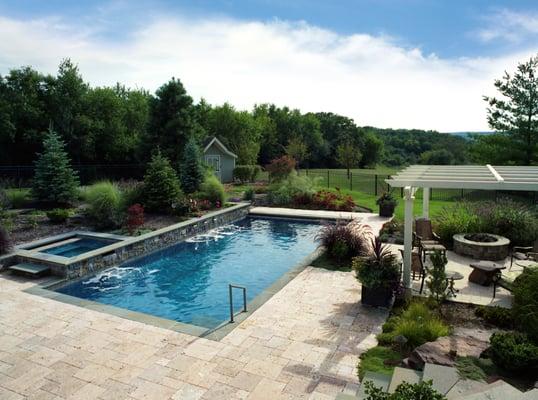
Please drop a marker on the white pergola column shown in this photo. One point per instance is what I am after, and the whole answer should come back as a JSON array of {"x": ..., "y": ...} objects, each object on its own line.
[
  {"x": 409, "y": 198},
  {"x": 426, "y": 202}
]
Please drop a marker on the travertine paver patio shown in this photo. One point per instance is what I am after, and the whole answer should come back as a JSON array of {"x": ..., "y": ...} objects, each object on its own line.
[{"x": 302, "y": 344}]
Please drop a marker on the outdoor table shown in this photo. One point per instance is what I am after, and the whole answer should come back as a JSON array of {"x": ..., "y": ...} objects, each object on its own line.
[
  {"x": 484, "y": 272},
  {"x": 452, "y": 276},
  {"x": 430, "y": 248}
]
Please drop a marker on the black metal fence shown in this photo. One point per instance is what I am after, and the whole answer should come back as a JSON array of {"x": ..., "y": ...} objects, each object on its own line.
[
  {"x": 21, "y": 175},
  {"x": 374, "y": 184}
]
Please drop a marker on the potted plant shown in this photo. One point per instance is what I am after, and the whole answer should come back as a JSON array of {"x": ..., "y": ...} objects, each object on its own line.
[
  {"x": 387, "y": 203},
  {"x": 379, "y": 274}
]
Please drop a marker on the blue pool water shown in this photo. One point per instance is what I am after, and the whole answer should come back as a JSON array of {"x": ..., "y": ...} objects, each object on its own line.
[
  {"x": 189, "y": 281},
  {"x": 73, "y": 249}
]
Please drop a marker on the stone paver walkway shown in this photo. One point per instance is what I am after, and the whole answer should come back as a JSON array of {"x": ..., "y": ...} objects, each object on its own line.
[{"x": 302, "y": 344}]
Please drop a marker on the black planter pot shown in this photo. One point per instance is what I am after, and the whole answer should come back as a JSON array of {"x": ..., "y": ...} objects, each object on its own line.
[
  {"x": 377, "y": 297},
  {"x": 386, "y": 210}
]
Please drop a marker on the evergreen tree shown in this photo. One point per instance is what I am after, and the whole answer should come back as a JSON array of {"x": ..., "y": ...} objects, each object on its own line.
[
  {"x": 54, "y": 180},
  {"x": 161, "y": 185},
  {"x": 191, "y": 171}
]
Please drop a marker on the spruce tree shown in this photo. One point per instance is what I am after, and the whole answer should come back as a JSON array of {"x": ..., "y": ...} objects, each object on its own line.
[
  {"x": 191, "y": 171},
  {"x": 161, "y": 185},
  {"x": 54, "y": 180}
]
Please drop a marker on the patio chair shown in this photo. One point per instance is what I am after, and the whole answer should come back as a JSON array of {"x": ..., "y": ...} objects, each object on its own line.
[
  {"x": 519, "y": 253},
  {"x": 417, "y": 267},
  {"x": 427, "y": 240}
]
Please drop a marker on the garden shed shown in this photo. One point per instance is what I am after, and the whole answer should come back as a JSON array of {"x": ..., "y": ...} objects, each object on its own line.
[
  {"x": 218, "y": 157},
  {"x": 482, "y": 177}
]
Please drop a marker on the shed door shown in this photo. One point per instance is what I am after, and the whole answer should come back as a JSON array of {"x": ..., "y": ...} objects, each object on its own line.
[{"x": 214, "y": 162}]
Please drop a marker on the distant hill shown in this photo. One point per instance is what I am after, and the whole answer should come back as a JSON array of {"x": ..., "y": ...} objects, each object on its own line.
[{"x": 466, "y": 135}]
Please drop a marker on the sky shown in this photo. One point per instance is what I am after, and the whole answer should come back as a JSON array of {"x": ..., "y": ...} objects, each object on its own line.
[{"x": 422, "y": 64}]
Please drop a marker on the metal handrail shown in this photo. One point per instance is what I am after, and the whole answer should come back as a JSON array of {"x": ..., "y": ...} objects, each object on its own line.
[{"x": 230, "y": 291}]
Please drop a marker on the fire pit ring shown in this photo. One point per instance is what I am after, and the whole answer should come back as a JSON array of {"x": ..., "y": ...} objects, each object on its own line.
[{"x": 491, "y": 250}]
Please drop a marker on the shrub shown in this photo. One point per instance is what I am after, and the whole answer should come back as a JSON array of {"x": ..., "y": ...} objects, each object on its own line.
[
  {"x": 404, "y": 391},
  {"x": 342, "y": 240},
  {"x": 505, "y": 217},
  {"x": 378, "y": 269},
  {"x": 437, "y": 283},
  {"x": 5, "y": 243},
  {"x": 212, "y": 190},
  {"x": 292, "y": 189},
  {"x": 457, "y": 218},
  {"x": 498, "y": 316},
  {"x": 418, "y": 324},
  {"x": 132, "y": 192},
  {"x": 374, "y": 360},
  {"x": 192, "y": 171},
  {"x": 280, "y": 168},
  {"x": 54, "y": 180},
  {"x": 514, "y": 352},
  {"x": 161, "y": 185},
  {"x": 335, "y": 201},
  {"x": 18, "y": 198},
  {"x": 135, "y": 218},
  {"x": 249, "y": 194},
  {"x": 246, "y": 173},
  {"x": 525, "y": 303},
  {"x": 104, "y": 202},
  {"x": 58, "y": 215}
]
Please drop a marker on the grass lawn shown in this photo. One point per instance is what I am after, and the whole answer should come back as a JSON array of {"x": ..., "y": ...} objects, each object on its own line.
[{"x": 374, "y": 360}]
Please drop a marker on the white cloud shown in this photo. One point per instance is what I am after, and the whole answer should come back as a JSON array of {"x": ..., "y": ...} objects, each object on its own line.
[
  {"x": 368, "y": 78},
  {"x": 510, "y": 26}
]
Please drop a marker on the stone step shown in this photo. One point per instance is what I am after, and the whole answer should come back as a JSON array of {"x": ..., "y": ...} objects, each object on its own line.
[
  {"x": 499, "y": 390},
  {"x": 464, "y": 386},
  {"x": 443, "y": 378},
  {"x": 343, "y": 396},
  {"x": 379, "y": 380},
  {"x": 401, "y": 375},
  {"x": 30, "y": 269}
]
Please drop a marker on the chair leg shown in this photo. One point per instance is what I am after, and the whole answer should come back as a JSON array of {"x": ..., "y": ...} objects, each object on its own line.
[
  {"x": 494, "y": 289},
  {"x": 422, "y": 283}
]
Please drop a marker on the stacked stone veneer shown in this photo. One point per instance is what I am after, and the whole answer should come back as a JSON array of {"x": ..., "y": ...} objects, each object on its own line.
[
  {"x": 491, "y": 251},
  {"x": 120, "y": 252}
]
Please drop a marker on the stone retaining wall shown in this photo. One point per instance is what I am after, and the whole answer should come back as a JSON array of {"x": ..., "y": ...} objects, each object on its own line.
[{"x": 120, "y": 252}]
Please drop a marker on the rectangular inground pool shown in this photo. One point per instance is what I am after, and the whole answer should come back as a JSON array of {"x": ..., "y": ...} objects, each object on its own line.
[{"x": 188, "y": 282}]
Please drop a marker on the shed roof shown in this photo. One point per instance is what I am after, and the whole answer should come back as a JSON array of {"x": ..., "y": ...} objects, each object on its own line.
[
  {"x": 213, "y": 140},
  {"x": 486, "y": 177}
]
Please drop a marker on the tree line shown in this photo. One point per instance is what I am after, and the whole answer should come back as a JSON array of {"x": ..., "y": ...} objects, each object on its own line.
[{"x": 104, "y": 125}]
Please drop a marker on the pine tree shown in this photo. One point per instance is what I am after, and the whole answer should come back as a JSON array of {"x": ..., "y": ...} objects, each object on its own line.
[
  {"x": 192, "y": 171},
  {"x": 161, "y": 185},
  {"x": 54, "y": 180}
]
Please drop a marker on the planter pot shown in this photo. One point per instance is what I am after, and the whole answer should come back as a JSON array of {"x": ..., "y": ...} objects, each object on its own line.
[
  {"x": 386, "y": 210},
  {"x": 377, "y": 297}
]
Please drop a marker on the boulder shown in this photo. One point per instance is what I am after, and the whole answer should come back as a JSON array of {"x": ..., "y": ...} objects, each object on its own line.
[{"x": 446, "y": 349}]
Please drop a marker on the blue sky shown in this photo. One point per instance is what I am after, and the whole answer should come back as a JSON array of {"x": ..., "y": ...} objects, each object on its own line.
[{"x": 435, "y": 56}]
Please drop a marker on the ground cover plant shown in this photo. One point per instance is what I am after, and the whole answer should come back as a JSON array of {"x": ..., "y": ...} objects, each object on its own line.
[{"x": 379, "y": 359}]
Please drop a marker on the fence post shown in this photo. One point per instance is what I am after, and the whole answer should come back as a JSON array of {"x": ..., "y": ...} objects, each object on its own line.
[
  {"x": 307, "y": 172},
  {"x": 351, "y": 181},
  {"x": 328, "y": 177},
  {"x": 462, "y": 195},
  {"x": 401, "y": 192},
  {"x": 375, "y": 184}
]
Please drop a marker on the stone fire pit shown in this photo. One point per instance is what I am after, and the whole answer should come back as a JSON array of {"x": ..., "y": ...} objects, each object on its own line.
[{"x": 482, "y": 246}]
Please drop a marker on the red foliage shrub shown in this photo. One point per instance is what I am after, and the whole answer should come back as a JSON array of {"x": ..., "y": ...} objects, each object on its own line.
[
  {"x": 335, "y": 201},
  {"x": 280, "y": 168},
  {"x": 135, "y": 218}
]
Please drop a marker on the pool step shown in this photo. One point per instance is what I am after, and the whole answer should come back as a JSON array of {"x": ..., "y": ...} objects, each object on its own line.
[{"x": 30, "y": 269}]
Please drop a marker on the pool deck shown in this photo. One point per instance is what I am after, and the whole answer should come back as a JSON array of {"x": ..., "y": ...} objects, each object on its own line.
[{"x": 303, "y": 343}]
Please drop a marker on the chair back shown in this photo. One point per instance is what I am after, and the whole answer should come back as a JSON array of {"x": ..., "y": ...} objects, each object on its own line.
[
  {"x": 416, "y": 262},
  {"x": 423, "y": 228}
]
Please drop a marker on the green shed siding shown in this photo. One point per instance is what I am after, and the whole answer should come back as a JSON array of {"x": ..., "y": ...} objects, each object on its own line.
[{"x": 227, "y": 162}]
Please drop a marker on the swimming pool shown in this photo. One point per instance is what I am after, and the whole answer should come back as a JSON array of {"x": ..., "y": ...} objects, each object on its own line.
[
  {"x": 188, "y": 282},
  {"x": 75, "y": 247}
]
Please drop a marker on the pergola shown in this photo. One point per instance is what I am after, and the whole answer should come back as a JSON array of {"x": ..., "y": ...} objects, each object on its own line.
[{"x": 481, "y": 177}]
